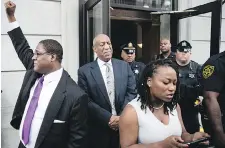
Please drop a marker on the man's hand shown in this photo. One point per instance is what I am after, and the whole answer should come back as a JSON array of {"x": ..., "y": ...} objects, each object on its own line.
[
  {"x": 10, "y": 11},
  {"x": 114, "y": 122}
]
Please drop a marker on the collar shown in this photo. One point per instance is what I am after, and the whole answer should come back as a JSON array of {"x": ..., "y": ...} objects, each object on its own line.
[
  {"x": 56, "y": 75},
  {"x": 101, "y": 63},
  {"x": 171, "y": 55}
]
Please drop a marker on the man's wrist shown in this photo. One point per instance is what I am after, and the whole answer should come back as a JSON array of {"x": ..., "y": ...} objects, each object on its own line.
[{"x": 11, "y": 19}]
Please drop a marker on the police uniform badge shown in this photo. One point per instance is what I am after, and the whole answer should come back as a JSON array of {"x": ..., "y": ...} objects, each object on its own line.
[
  {"x": 130, "y": 46},
  {"x": 184, "y": 44},
  {"x": 130, "y": 49},
  {"x": 136, "y": 71},
  {"x": 191, "y": 75},
  {"x": 180, "y": 75},
  {"x": 207, "y": 71}
]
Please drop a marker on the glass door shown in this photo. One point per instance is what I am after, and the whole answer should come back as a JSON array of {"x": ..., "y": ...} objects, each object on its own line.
[
  {"x": 215, "y": 7},
  {"x": 96, "y": 21}
]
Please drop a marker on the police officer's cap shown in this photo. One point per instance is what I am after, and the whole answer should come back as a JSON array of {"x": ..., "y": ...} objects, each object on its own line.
[
  {"x": 184, "y": 46},
  {"x": 128, "y": 48}
]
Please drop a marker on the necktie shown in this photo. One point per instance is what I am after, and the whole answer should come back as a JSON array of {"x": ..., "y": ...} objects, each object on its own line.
[
  {"x": 31, "y": 110},
  {"x": 110, "y": 86}
]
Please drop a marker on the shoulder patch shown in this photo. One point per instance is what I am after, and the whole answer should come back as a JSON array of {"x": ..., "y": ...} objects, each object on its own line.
[{"x": 207, "y": 71}]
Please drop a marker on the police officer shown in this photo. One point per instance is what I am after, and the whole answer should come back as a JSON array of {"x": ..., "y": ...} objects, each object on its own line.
[
  {"x": 189, "y": 86},
  {"x": 165, "y": 49},
  {"x": 128, "y": 55},
  {"x": 213, "y": 82}
]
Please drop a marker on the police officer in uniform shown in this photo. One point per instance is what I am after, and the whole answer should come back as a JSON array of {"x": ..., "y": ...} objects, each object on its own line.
[
  {"x": 165, "y": 49},
  {"x": 128, "y": 55},
  {"x": 213, "y": 82},
  {"x": 189, "y": 86}
]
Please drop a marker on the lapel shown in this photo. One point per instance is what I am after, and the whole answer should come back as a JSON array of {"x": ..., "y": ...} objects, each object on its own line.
[
  {"x": 53, "y": 108},
  {"x": 117, "y": 73},
  {"x": 97, "y": 75}
]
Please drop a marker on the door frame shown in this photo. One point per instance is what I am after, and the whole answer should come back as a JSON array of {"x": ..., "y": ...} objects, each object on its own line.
[
  {"x": 85, "y": 54},
  {"x": 215, "y": 8}
]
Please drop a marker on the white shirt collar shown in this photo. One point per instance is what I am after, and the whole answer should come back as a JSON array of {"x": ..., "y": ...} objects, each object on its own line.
[
  {"x": 101, "y": 63},
  {"x": 56, "y": 75}
]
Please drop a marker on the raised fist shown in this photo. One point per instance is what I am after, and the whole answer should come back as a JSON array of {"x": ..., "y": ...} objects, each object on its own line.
[{"x": 10, "y": 8}]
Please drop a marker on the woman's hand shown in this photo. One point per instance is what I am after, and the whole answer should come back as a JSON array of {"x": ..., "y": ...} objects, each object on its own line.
[
  {"x": 200, "y": 135},
  {"x": 174, "y": 142}
]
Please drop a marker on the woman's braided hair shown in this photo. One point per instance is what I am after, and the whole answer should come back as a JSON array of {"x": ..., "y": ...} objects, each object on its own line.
[{"x": 143, "y": 88}]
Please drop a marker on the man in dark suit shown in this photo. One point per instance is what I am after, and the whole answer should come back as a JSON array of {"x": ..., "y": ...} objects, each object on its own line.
[
  {"x": 110, "y": 84},
  {"x": 51, "y": 110}
]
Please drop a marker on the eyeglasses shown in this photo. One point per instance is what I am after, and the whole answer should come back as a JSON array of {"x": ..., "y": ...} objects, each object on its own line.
[{"x": 40, "y": 54}]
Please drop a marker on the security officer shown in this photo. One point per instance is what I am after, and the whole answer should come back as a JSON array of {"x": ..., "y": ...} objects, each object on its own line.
[
  {"x": 189, "y": 86},
  {"x": 165, "y": 49},
  {"x": 128, "y": 55},
  {"x": 213, "y": 82}
]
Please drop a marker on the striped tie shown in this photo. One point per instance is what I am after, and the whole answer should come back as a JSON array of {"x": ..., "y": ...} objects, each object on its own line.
[{"x": 110, "y": 86}]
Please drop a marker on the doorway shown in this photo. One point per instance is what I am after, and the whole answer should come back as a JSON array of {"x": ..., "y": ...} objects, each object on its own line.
[
  {"x": 122, "y": 32},
  {"x": 142, "y": 32}
]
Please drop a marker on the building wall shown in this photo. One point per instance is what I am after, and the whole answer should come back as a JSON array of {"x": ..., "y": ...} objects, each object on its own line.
[
  {"x": 39, "y": 19},
  {"x": 197, "y": 30}
]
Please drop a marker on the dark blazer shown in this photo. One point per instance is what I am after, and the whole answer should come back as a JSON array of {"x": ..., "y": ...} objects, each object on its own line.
[
  {"x": 91, "y": 80},
  {"x": 68, "y": 103}
]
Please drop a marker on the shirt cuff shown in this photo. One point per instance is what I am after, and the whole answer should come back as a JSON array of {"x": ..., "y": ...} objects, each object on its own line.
[{"x": 13, "y": 25}]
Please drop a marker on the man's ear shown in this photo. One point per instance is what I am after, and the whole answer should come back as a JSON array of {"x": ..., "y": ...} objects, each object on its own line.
[
  {"x": 121, "y": 54},
  {"x": 53, "y": 57},
  {"x": 94, "y": 48}
]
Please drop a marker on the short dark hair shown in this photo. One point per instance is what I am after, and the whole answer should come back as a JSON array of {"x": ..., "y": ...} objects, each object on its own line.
[
  {"x": 54, "y": 47},
  {"x": 143, "y": 88}
]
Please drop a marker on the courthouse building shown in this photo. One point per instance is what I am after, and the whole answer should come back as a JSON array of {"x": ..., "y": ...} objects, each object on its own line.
[{"x": 74, "y": 23}]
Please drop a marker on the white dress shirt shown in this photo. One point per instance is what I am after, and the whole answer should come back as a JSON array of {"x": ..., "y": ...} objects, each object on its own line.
[
  {"x": 103, "y": 67},
  {"x": 13, "y": 25},
  {"x": 49, "y": 85}
]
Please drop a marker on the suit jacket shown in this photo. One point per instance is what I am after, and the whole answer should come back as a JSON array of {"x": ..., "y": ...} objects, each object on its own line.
[
  {"x": 91, "y": 80},
  {"x": 68, "y": 103}
]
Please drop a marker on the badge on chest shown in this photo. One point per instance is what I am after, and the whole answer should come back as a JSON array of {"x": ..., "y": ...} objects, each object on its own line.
[
  {"x": 187, "y": 75},
  {"x": 136, "y": 71},
  {"x": 191, "y": 75}
]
